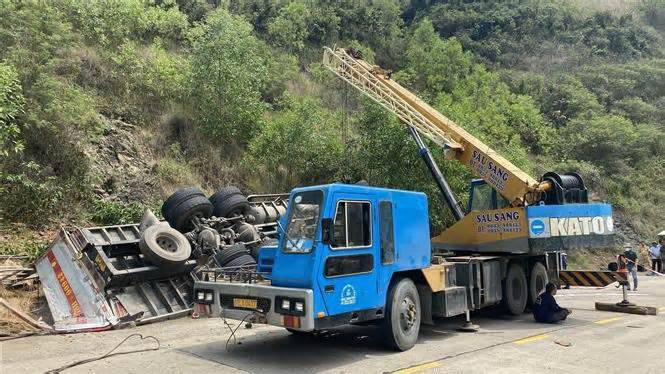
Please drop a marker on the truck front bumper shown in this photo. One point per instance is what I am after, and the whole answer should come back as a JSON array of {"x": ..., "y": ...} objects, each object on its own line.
[{"x": 267, "y": 298}]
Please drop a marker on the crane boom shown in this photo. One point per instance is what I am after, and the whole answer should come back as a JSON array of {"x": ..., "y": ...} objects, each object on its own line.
[{"x": 507, "y": 179}]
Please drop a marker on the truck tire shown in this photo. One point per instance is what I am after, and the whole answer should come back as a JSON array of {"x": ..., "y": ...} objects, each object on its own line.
[
  {"x": 231, "y": 206},
  {"x": 177, "y": 198},
  {"x": 230, "y": 254},
  {"x": 180, "y": 217},
  {"x": 515, "y": 290},
  {"x": 401, "y": 322},
  {"x": 243, "y": 260},
  {"x": 164, "y": 246},
  {"x": 537, "y": 281},
  {"x": 224, "y": 192}
]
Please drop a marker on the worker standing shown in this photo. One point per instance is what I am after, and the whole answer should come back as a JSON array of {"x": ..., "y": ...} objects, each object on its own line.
[
  {"x": 631, "y": 264},
  {"x": 545, "y": 308},
  {"x": 654, "y": 253}
]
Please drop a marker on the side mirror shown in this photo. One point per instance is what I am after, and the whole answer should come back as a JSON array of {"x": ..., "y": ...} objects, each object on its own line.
[{"x": 326, "y": 230}]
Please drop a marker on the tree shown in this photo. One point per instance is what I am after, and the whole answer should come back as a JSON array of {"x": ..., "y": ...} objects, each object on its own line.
[
  {"x": 299, "y": 146},
  {"x": 229, "y": 73},
  {"x": 290, "y": 28}
]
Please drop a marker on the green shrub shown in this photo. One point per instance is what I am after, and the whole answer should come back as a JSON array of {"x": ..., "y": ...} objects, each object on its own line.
[
  {"x": 112, "y": 22},
  {"x": 21, "y": 240},
  {"x": 11, "y": 106},
  {"x": 29, "y": 195},
  {"x": 104, "y": 212},
  {"x": 300, "y": 145},
  {"x": 175, "y": 169}
]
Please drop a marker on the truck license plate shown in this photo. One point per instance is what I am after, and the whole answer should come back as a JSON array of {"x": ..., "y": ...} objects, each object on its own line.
[{"x": 244, "y": 303}]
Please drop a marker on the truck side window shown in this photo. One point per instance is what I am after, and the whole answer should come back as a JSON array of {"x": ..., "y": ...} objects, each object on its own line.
[
  {"x": 346, "y": 265},
  {"x": 352, "y": 225},
  {"x": 386, "y": 232}
]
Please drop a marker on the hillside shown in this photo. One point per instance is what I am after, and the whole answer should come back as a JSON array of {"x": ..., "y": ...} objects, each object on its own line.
[{"x": 108, "y": 106}]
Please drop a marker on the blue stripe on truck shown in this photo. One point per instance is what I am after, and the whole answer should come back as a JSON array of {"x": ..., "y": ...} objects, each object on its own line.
[{"x": 569, "y": 210}]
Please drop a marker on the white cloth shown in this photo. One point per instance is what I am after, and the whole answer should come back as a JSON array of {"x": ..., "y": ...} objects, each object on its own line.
[{"x": 654, "y": 251}]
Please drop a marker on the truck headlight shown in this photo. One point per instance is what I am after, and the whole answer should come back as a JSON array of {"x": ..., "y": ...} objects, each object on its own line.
[
  {"x": 289, "y": 306},
  {"x": 204, "y": 296}
]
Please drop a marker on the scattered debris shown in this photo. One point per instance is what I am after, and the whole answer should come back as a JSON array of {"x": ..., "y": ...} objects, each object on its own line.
[
  {"x": 563, "y": 343},
  {"x": 31, "y": 321},
  {"x": 25, "y": 300},
  {"x": 14, "y": 274}
]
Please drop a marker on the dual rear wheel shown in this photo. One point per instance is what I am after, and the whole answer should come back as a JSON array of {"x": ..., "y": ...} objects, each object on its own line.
[{"x": 518, "y": 292}]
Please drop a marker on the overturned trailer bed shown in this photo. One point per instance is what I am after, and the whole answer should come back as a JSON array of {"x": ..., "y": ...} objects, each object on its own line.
[
  {"x": 95, "y": 278},
  {"x": 99, "y": 277}
]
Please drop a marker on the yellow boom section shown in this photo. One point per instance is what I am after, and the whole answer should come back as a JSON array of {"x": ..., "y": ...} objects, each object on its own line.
[{"x": 507, "y": 179}]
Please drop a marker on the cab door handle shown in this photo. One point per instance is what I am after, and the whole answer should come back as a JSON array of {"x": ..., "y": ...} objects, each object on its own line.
[{"x": 329, "y": 288}]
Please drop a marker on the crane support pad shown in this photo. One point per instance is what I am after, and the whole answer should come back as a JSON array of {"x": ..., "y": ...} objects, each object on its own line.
[
  {"x": 631, "y": 309},
  {"x": 587, "y": 278}
]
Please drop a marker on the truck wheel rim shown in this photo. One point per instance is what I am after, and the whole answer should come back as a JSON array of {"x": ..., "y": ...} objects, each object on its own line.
[
  {"x": 407, "y": 315},
  {"x": 167, "y": 243}
]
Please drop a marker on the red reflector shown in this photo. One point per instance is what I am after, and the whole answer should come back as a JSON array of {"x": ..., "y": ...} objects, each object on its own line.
[{"x": 291, "y": 321}]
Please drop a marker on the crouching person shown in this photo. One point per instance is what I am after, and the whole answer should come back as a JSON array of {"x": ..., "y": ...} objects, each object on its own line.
[{"x": 545, "y": 308}]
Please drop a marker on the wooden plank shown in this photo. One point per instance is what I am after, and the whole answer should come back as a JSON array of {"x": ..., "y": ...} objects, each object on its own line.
[
  {"x": 12, "y": 273},
  {"x": 31, "y": 321},
  {"x": 634, "y": 309},
  {"x": 2, "y": 270}
]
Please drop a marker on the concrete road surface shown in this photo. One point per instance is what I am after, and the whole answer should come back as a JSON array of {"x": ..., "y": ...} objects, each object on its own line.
[{"x": 589, "y": 342}]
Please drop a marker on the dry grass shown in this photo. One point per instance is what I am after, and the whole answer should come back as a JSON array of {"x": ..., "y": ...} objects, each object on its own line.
[{"x": 25, "y": 299}]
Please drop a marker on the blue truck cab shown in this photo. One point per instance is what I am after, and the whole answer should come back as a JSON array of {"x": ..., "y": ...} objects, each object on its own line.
[
  {"x": 341, "y": 249},
  {"x": 341, "y": 243}
]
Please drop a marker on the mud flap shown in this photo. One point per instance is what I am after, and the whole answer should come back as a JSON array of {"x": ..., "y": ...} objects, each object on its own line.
[{"x": 425, "y": 304}]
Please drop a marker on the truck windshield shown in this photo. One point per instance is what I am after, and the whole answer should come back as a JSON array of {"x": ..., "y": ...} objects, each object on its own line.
[{"x": 303, "y": 220}]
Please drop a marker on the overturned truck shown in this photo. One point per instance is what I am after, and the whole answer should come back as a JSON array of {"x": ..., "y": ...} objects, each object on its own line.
[{"x": 100, "y": 277}]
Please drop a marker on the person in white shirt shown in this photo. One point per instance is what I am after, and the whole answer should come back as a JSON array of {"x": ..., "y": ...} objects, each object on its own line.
[{"x": 654, "y": 253}]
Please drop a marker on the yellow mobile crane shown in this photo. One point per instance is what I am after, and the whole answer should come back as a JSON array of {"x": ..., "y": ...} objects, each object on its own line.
[{"x": 518, "y": 214}]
